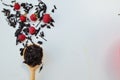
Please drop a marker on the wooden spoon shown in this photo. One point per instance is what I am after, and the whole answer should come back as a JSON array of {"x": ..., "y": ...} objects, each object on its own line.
[{"x": 32, "y": 69}]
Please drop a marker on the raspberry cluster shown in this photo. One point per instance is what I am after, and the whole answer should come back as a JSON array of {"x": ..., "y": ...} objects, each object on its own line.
[{"x": 24, "y": 24}]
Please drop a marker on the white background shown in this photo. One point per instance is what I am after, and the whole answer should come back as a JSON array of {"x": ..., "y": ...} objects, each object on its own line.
[{"x": 78, "y": 48}]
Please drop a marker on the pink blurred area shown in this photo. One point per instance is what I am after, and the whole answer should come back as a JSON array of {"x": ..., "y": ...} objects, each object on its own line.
[{"x": 114, "y": 60}]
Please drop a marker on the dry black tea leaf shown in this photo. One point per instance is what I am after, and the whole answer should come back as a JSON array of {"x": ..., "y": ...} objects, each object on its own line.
[
  {"x": 18, "y": 31},
  {"x": 41, "y": 68},
  {"x": 52, "y": 20},
  {"x": 6, "y": 12},
  {"x": 43, "y": 25},
  {"x": 55, "y": 7},
  {"x": 21, "y": 51},
  {"x": 40, "y": 42},
  {"x": 52, "y": 24},
  {"x": 37, "y": 31},
  {"x": 13, "y": 1},
  {"x": 42, "y": 34},
  {"x": 27, "y": 7},
  {"x": 25, "y": 30},
  {"x": 48, "y": 27},
  {"x": 52, "y": 10}
]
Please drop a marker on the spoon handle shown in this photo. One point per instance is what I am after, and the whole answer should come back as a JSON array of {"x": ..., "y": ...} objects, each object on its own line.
[{"x": 32, "y": 74}]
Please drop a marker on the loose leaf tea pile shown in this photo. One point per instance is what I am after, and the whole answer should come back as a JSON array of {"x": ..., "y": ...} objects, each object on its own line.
[
  {"x": 17, "y": 17},
  {"x": 33, "y": 59}
]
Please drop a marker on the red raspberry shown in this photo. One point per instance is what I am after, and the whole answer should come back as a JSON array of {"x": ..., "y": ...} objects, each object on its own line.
[
  {"x": 33, "y": 17},
  {"x": 23, "y": 18},
  {"x": 16, "y": 6},
  {"x": 46, "y": 18},
  {"x": 32, "y": 30},
  {"x": 21, "y": 37}
]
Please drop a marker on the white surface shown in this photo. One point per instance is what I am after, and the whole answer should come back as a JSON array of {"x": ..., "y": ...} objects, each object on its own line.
[{"x": 76, "y": 48}]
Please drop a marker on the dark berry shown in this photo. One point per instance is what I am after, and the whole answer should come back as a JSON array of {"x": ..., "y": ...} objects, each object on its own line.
[
  {"x": 32, "y": 30},
  {"x": 47, "y": 18},
  {"x": 33, "y": 17},
  {"x": 23, "y": 18},
  {"x": 16, "y": 6},
  {"x": 21, "y": 37}
]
